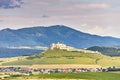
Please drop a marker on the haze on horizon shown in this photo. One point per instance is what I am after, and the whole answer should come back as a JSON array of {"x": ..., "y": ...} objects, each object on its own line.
[{"x": 99, "y": 17}]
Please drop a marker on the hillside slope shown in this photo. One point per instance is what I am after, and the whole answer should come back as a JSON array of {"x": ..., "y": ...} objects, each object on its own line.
[
  {"x": 44, "y": 36},
  {"x": 67, "y": 57}
]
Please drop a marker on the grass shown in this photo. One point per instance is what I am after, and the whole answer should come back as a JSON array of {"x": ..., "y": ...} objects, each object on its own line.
[
  {"x": 84, "y": 76},
  {"x": 12, "y": 59},
  {"x": 67, "y": 57},
  {"x": 58, "y": 57}
]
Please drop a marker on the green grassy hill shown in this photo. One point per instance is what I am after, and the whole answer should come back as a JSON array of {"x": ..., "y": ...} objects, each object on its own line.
[{"x": 67, "y": 57}]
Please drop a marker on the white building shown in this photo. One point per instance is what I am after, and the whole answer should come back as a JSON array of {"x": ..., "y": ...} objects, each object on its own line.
[{"x": 61, "y": 46}]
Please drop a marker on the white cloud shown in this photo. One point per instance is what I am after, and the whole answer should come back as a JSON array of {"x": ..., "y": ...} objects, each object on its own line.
[
  {"x": 82, "y": 15},
  {"x": 8, "y": 4},
  {"x": 84, "y": 24}
]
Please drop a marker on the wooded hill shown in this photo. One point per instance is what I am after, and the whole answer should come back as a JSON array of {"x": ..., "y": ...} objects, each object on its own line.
[{"x": 110, "y": 51}]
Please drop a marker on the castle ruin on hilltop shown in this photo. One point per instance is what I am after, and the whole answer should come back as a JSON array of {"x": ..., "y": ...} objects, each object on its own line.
[{"x": 61, "y": 46}]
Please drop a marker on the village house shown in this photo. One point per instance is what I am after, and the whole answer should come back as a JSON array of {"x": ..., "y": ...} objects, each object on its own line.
[{"x": 56, "y": 68}]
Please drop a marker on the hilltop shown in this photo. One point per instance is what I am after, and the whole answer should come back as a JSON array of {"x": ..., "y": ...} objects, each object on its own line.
[
  {"x": 59, "y": 57},
  {"x": 44, "y": 36},
  {"x": 66, "y": 57}
]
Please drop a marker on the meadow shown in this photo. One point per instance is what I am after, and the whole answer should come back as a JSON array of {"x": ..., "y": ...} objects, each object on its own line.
[
  {"x": 65, "y": 57},
  {"x": 70, "y": 76}
]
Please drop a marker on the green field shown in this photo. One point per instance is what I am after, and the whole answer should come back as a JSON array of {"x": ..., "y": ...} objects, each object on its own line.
[
  {"x": 66, "y": 57},
  {"x": 66, "y": 76}
]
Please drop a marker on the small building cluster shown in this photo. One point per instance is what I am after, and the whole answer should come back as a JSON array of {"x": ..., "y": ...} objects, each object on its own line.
[
  {"x": 65, "y": 70},
  {"x": 47, "y": 69},
  {"x": 8, "y": 71}
]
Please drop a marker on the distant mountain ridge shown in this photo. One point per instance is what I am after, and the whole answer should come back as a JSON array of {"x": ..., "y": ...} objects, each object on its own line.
[
  {"x": 7, "y": 52},
  {"x": 44, "y": 36}
]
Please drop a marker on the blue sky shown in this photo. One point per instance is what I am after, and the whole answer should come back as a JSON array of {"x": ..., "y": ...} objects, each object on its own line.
[{"x": 100, "y": 17}]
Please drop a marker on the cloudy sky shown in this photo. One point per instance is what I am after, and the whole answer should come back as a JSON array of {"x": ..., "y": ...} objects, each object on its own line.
[{"x": 100, "y": 17}]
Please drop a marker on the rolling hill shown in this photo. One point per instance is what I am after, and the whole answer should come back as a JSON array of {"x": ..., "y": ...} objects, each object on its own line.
[
  {"x": 66, "y": 57},
  {"x": 44, "y": 36}
]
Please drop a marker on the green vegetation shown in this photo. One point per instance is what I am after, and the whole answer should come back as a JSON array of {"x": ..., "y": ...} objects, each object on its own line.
[
  {"x": 66, "y": 57},
  {"x": 84, "y": 76},
  {"x": 12, "y": 59},
  {"x": 110, "y": 51}
]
